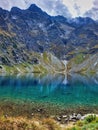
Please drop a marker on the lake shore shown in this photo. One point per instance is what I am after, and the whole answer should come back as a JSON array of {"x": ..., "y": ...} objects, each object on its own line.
[
  {"x": 21, "y": 108},
  {"x": 38, "y": 120},
  {"x": 34, "y": 116}
]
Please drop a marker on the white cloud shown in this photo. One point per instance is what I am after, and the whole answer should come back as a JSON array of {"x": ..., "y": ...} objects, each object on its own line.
[
  {"x": 83, "y": 6},
  {"x": 96, "y": 4},
  {"x": 93, "y": 12},
  {"x": 7, "y": 4}
]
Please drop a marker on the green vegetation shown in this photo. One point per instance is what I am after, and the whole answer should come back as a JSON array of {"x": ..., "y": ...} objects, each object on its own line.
[
  {"x": 37, "y": 64},
  {"x": 45, "y": 57},
  {"x": 79, "y": 58},
  {"x": 86, "y": 64},
  {"x": 89, "y": 123}
]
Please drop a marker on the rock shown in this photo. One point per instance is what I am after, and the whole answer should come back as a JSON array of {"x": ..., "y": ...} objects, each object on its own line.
[
  {"x": 74, "y": 114},
  {"x": 40, "y": 110},
  {"x": 66, "y": 120},
  {"x": 32, "y": 114},
  {"x": 58, "y": 118},
  {"x": 74, "y": 120},
  {"x": 64, "y": 116},
  {"x": 70, "y": 117},
  {"x": 73, "y": 117},
  {"x": 78, "y": 117}
]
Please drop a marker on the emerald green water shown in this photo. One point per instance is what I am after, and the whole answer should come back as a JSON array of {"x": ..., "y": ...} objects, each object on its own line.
[{"x": 64, "y": 91}]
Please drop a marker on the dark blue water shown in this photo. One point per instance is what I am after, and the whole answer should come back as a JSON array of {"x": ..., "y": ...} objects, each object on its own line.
[{"x": 65, "y": 91}]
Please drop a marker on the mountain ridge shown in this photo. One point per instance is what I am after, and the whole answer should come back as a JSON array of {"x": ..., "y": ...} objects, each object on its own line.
[{"x": 23, "y": 32}]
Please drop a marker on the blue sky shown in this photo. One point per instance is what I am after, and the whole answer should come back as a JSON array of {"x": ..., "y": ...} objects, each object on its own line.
[{"x": 67, "y": 8}]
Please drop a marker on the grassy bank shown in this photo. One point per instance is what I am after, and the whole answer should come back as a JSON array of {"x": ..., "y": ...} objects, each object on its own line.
[
  {"x": 19, "y": 123},
  {"x": 90, "y": 122}
]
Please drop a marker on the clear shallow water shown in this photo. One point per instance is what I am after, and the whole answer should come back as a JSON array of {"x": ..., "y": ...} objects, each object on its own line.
[{"x": 65, "y": 91}]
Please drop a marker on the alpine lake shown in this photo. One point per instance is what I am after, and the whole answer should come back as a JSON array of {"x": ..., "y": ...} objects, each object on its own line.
[{"x": 48, "y": 94}]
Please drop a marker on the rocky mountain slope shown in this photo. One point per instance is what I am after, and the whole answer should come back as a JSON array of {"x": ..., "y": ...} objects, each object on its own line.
[
  {"x": 85, "y": 64},
  {"x": 41, "y": 63},
  {"x": 25, "y": 33}
]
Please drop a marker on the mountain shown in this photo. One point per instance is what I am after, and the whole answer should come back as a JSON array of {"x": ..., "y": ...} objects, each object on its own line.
[
  {"x": 84, "y": 64},
  {"x": 24, "y": 33}
]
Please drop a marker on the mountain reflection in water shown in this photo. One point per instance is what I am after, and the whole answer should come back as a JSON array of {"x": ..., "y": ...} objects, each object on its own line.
[{"x": 74, "y": 90}]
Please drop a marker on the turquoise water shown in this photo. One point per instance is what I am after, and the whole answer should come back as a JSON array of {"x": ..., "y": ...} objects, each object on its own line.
[{"x": 65, "y": 91}]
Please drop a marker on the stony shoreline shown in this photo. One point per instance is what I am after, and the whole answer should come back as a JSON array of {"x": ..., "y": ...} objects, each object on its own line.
[
  {"x": 15, "y": 113},
  {"x": 45, "y": 110}
]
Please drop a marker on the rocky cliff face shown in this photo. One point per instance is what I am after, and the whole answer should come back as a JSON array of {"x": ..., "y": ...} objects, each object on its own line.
[
  {"x": 26, "y": 32},
  {"x": 84, "y": 64}
]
